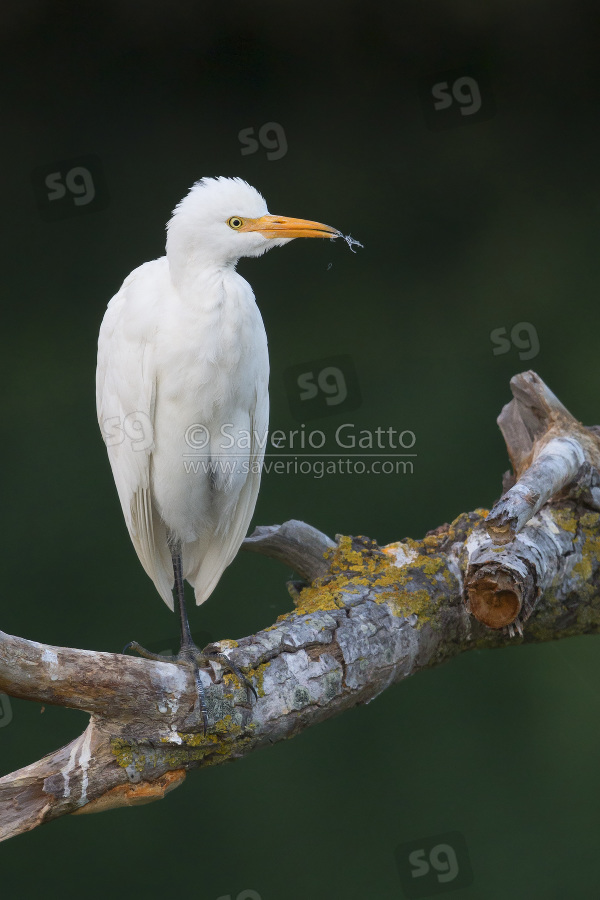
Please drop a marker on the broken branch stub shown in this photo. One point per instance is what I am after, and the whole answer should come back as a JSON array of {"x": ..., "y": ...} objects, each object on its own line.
[
  {"x": 504, "y": 584},
  {"x": 298, "y": 545},
  {"x": 553, "y": 455},
  {"x": 555, "y": 466},
  {"x": 547, "y": 447}
]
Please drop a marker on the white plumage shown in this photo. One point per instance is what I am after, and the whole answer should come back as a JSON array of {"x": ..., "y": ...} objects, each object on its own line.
[{"x": 182, "y": 353}]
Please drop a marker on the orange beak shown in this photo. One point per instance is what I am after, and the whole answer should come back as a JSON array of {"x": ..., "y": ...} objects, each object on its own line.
[{"x": 286, "y": 227}]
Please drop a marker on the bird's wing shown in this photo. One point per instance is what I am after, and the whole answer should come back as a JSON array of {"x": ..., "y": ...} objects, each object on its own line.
[
  {"x": 205, "y": 562},
  {"x": 125, "y": 398}
]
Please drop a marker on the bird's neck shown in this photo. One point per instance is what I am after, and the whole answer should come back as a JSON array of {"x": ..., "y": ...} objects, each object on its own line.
[{"x": 197, "y": 275}]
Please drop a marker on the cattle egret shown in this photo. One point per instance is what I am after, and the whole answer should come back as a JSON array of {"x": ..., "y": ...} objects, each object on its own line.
[{"x": 182, "y": 368}]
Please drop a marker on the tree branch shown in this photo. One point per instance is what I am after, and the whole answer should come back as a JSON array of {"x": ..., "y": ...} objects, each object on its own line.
[
  {"x": 298, "y": 545},
  {"x": 548, "y": 449},
  {"x": 365, "y": 617}
]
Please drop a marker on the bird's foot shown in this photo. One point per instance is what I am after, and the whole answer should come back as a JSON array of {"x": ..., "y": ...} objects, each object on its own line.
[
  {"x": 147, "y": 654},
  {"x": 212, "y": 653},
  {"x": 199, "y": 659}
]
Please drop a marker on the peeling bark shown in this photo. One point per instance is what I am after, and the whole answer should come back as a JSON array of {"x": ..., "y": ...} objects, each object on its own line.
[
  {"x": 548, "y": 448},
  {"x": 554, "y": 457},
  {"x": 365, "y": 617}
]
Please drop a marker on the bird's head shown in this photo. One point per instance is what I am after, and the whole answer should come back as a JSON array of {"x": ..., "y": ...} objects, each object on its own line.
[{"x": 222, "y": 219}]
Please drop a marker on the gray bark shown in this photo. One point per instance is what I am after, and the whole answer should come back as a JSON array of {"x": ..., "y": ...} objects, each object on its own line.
[{"x": 364, "y": 618}]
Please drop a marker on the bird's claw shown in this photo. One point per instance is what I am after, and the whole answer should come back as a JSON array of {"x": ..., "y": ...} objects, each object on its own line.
[
  {"x": 212, "y": 654},
  {"x": 146, "y": 654},
  {"x": 199, "y": 659}
]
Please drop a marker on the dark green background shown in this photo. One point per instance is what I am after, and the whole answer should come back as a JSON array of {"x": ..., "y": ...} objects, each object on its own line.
[{"x": 465, "y": 230}]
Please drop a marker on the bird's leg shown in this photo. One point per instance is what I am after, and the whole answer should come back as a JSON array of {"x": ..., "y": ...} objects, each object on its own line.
[
  {"x": 188, "y": 648},
  {"x": 184, "y": 624},
  {"x": 188, "y": 651}
]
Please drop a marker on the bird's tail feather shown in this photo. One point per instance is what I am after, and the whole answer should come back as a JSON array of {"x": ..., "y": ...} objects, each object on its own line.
[
  {"x": 204, "y": 563},
  {"x": 149, "y": 537}
]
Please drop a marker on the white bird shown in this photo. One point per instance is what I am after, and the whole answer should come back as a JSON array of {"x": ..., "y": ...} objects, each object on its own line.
[{"x": 183, "y": 367}]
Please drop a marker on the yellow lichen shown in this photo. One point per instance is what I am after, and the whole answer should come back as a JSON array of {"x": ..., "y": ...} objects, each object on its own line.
[
  {"x": 225, "y": 737},
  {"x": 565, "y": 518},
  {"x": 259, "y": 674},
  {"x": 406, "y": 603},
  {"x": 192, "y": 740},
  {"x": 231, "y": 680},
  {"x": 228, "y": 644},
  {"x": 583, "y": 568},
  {"x": 122, "y": 751},
  {"x": 362, "y": 565},
  {"x": 590, "y": 550},
  {"x": 590, "y": 520}
]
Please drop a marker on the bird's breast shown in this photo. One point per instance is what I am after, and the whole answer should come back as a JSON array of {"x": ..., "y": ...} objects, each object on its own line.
[
  {"x": 211, "y": 380},
  {"x": 213, "y": 347}
]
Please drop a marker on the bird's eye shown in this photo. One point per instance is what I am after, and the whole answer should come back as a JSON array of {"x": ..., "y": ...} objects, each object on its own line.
[{"x": 235, "y": 222}]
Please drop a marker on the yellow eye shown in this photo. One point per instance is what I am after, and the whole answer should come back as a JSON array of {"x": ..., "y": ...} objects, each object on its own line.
[{"x": 235, "y": 222}]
